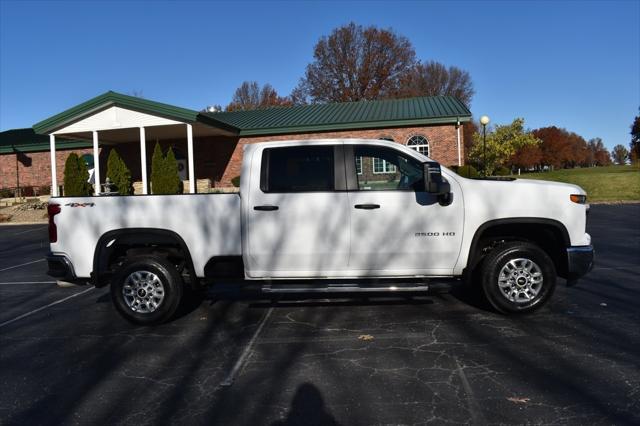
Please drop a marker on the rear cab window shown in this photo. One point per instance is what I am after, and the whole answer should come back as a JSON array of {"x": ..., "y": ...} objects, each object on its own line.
[{"x": 299, "y": 169}]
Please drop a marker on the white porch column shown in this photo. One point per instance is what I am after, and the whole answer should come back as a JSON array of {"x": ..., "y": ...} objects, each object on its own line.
[
  {"x": 96, "y": 163},
  {"x": 192, "y": 180},
  {"x": 458, "y": 140},
  {"x": 143, "y": 160},
  {"x": 54, "y": 177}
]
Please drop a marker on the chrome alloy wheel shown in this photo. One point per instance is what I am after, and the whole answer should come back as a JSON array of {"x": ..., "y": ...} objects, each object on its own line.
[
  {"x": 143, "y": 292},
  {"x": 520, "y": 280}
]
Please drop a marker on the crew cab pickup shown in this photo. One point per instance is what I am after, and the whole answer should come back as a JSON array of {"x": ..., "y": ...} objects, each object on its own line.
[{"x": 327, "y": 215}]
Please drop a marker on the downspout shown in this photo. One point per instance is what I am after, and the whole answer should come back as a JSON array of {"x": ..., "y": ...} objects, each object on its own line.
[
  {"x": 458, "y": 141},
  {"x": 17, "y": 175}
]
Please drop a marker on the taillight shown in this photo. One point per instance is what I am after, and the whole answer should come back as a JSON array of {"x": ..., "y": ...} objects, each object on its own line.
[
  {"x": 52, "y": 210},
  {"x": 578, "y": 198}
]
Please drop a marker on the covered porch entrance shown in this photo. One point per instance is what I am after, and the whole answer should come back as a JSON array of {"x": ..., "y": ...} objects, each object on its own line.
[{"x": 133, "y": 126}]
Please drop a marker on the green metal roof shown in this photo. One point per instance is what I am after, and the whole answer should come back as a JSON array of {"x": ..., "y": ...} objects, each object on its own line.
[
  {"x": 26, "y": 140},
  {"x": 418, "y": 111},
  {"x": 109, "y": 99},
  {"x": 347, "y": 115}
]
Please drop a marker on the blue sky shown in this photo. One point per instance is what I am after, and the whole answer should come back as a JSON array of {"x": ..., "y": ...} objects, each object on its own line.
[{"x": 571, "y": 64}]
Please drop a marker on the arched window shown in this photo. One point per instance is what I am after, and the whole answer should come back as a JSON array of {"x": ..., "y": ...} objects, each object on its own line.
[
  {"x": 419, "y": 143},
  {"x": 381, "y": 166}
]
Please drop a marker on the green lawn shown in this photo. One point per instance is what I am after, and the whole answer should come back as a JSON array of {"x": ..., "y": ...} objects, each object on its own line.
[{"x": 612, "y": 183}]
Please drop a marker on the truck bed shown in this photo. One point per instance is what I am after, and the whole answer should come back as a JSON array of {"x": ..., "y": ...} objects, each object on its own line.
[{"x": 208, "y": 223}]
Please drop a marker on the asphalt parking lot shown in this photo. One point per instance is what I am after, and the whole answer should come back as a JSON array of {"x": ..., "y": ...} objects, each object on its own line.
[{"x": 66, "y": 357}]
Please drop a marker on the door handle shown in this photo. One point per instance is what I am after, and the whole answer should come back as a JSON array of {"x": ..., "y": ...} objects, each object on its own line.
[
  {"x": 265, "y": 208},
  {"x": 367, "y": 206}
]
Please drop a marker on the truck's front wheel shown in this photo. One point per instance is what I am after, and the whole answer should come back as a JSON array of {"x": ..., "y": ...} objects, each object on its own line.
[
  {"x": 518, "y": 277},
  {"x": 147, "y": 290}
]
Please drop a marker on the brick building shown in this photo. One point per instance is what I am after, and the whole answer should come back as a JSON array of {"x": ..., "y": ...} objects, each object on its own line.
[{"x": 212, "y": 143}]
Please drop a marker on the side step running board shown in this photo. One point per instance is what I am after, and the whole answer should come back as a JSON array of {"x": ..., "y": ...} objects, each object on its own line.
[{"x": 343, "y": 288}]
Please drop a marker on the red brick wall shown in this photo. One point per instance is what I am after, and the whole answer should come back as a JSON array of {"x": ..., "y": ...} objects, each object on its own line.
[
  {"x": 215, "y": 158},
  {"x": 34, "y": 167},
  {"x": 442, "y": 143},
  {"x": 211, "y": 156}
]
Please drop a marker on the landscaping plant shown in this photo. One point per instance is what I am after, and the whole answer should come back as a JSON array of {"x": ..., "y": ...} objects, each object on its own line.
[
  {"x": 76, "y": 177},
  {"x": 164, "y": 172},
  {"x": 119, "y": 173}
]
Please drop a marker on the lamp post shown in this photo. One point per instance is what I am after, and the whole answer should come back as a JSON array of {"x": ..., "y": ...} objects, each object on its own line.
[{"x": 484, "y": 120}]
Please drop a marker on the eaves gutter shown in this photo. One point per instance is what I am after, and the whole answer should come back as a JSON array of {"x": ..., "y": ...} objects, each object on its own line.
[{"x": 43, "y": 147}]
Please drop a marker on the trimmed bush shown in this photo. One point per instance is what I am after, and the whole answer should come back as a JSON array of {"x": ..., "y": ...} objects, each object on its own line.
[
  {"x": 502, "y": 171},
  {"x": 157, "y": 166},
  {"x": 174, "y": 184},
  {"x": 76, "y": 177},
  {"x": 468, "y": 171},
  {"x": 164, "y": 172},
  {"x": 236, "y": 181},
  {"x": 118, "y": 173}
]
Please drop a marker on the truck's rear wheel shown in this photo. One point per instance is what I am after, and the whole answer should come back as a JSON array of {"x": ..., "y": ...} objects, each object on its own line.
[
  {"x": 147, "y": 290},
  {"x": 518, "y": 277}
]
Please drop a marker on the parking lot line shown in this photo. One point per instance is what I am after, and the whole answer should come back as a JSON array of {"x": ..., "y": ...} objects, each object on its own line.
[
  {"x": 617, "y": 268},
  {"x": 240, "y": 362},
  {"x": 45, "y": 307},
  {"x": 26, "y": 282},
  {"x": 22, "y": 264},
  {"x": 474, "y": 408}
]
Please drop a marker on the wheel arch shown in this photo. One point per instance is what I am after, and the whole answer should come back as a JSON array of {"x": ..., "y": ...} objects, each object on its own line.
[
  {"x": 551, "y": 235},
  {"x": 149, "y": 238}
]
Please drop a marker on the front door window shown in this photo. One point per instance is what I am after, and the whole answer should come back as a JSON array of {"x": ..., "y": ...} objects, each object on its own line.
[{"x": 382, "y": 169}]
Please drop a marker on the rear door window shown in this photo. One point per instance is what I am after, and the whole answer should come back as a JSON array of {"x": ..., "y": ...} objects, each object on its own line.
[{"x": 298, "y": 169}]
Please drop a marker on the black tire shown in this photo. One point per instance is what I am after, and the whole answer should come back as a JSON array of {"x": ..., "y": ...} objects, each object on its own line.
[
  {"x": 155, "y": 273},
  {"x": 516, "y": 287}
]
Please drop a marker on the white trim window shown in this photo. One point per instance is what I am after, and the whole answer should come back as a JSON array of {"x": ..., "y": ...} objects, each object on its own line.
[
  {"x": 380, "y": 166},
  {"x": 359, "y": 165},
  {"x": 419, "y": 143}
]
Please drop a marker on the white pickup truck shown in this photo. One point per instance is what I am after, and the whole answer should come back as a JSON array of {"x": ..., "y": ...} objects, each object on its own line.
[{"x": 327, "y": 215}]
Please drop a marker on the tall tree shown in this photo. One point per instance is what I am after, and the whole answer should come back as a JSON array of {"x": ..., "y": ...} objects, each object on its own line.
[
  {"x": 355, "y": 63},
  {"x": 434, "y": 79},
  {"x": 527, "y": 157},
  {"x": 502, "y": 143},
  {"x": 579, "y": 150},
  {"x": 251, "y": 96},
  {"x": 634, "y": 145},
  {"x": 620, "y": 154},
  {"x": 598, "y": 155},
  {"x": 555, "y": 147}
]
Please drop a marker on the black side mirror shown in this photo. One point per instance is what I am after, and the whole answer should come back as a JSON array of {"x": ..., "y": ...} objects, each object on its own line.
[{"x": 433, "y": 181}]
